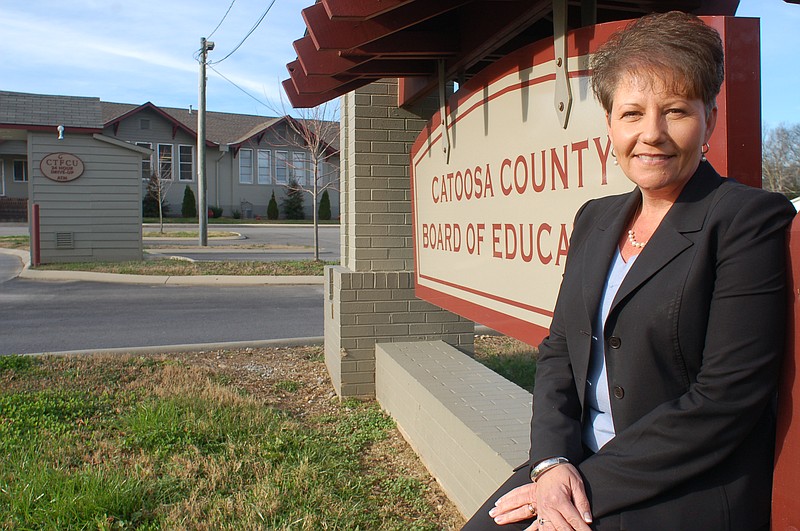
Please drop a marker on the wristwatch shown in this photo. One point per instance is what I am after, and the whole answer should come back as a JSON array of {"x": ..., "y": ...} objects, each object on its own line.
[{"x": 545, "y": 465}]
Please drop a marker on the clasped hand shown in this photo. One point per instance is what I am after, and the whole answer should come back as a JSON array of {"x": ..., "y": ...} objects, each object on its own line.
[{"x": 558, "y": 499}]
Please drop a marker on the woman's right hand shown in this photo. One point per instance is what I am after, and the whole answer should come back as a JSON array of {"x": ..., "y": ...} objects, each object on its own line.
[{"x": 561, "y": 500}]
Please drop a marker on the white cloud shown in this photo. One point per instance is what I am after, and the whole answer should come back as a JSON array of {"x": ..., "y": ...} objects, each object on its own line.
[{"x": 143, "y": 51}]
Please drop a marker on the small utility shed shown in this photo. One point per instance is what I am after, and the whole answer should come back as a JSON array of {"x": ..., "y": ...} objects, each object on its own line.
[{"x": 86, "y": 186}]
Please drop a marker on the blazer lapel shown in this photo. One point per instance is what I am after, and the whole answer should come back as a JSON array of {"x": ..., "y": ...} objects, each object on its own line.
[
  {"x": 687, "y": 215},
  {"x": 601, "y": 245}
]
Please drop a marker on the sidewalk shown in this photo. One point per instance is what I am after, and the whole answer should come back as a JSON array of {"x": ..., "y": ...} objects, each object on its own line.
[{"x": 197, "y": 280}]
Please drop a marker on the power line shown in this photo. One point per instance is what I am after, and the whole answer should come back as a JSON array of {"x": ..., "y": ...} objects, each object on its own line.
[
  {"x": 237, "y": 86},
  {"x": 223, "y": 19},
  {"x": 258, "y": 22}
]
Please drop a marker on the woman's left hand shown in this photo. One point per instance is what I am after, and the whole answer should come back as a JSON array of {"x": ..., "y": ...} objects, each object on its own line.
[
  {"x": 515, "y": 506},
  {"x": 562, "y": 500}
]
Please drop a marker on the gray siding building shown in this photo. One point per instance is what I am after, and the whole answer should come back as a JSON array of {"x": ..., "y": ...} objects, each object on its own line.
[
  {"x": 248, "y": 157},
  {"x": 86, "y": 187}
]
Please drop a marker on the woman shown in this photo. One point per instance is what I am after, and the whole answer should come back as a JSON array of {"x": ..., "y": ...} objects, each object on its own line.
[{"x": 653, "y": 403}]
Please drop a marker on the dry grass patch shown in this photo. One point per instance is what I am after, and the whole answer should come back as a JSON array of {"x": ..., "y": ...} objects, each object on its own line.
[
  {"x": 210, "y": 440},
  {"x": 15, "y": 242},
  {"x": 186, "y": 268}
]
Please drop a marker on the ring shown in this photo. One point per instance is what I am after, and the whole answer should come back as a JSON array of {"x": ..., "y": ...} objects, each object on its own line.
[
  {"x": 542, "y": 521},
  {"x": 531, "y": 509}
]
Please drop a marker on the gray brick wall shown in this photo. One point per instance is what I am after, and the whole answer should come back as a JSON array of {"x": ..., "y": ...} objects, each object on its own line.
[{"x": 370, "y": 297}]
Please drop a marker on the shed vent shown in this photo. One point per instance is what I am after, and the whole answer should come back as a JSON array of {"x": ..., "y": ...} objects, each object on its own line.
[{"x": 65, "y": 240}]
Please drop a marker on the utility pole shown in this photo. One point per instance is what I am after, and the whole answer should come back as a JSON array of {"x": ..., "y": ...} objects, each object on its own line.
[{"x": 202, "y": 198}]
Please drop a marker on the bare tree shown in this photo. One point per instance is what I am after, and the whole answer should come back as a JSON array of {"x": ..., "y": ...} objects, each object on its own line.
[
  {"x": 316, "y": 131},
  {"x": 156, "y": 194},
  {"x": 780, "y": 159}
]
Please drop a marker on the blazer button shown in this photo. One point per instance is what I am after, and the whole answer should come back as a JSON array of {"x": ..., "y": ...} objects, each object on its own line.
[
  {"x": 614, "y": 342},
  {"x": 619, "y": 392}
]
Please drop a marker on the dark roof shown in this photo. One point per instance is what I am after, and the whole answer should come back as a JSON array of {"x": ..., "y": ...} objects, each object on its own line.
[
  {"x": 221, "y": 127},
  {"x": 40, "y": 110},
  {"x": 349, "y": 44}
]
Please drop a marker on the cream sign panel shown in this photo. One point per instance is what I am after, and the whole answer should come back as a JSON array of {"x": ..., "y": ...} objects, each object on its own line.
[{"x": 493, "y": 216}]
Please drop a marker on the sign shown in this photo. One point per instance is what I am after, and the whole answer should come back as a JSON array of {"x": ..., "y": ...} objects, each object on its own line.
[
  {"x": 61, "y": 167},
  {"x": 492, "y": 216}
]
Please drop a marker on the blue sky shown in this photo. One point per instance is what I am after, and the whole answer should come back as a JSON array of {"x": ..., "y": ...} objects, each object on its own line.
[{"x": 134, "y": 52}]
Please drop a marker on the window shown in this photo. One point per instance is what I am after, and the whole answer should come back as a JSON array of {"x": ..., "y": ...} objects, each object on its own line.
[
  {"x": 147, "y": 163},
  {"x": 264, "y": 166},
  {"x": 185, "y": 163},
  {"x": 246, "y": 166},
  {"x": 329, "y": 172},
  {"x": 165, "y": 161},
  {"x": 20, "y": 171},
  {"x": 2, "y": 177},
  {"x": 300, "y": 168},
  {"x": 281, "y": 167}
]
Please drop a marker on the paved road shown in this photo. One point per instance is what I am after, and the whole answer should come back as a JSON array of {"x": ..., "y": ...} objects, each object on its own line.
[
  {"x": 13, "y": 229},
  {"x": 52, "y": 316},
  {"x": 41, "y": 316}
]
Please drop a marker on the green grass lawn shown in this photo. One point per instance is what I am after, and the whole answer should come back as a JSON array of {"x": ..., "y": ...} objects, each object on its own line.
[
  {"x": 187, "y": 234},
  {"x": 509, "y": 357},
  {"x": 155, "y": 442}
]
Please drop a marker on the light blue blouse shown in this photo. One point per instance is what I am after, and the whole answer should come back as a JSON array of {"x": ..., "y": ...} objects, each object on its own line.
[{"x": 598, "y": 427}]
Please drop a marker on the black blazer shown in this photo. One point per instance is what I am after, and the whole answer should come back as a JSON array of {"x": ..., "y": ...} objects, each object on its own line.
[{"x": 694, "y": 340}]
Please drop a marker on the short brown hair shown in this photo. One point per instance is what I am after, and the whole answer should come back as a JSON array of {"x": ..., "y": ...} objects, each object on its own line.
[{"x": 673, "y": 47}]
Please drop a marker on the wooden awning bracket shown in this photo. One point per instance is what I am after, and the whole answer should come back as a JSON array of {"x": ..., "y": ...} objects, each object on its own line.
[
  {"x": 443, "y": 112},
  {"x": 563, "y": 92}
]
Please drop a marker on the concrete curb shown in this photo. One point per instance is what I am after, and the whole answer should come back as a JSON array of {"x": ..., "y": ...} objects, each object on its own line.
[
  {"x": 221, "y": 226},
  {"x": 191, "y": 347},
  {"x": 198, "y": 280},
  {"x": 230, "y": 345}
]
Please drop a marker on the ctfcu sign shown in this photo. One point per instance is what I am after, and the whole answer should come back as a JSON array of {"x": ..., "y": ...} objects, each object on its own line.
[
  {"x": 495, "y": 191},
  {"x": 61, "y": 167}
]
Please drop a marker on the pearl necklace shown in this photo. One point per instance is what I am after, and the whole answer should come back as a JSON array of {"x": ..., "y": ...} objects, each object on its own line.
[{"x": 632, "y": 240}]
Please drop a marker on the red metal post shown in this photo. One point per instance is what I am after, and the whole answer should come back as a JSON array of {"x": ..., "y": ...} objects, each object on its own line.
[
  {"x": 785, "y": 500},
  {"x": 36, "y": 257}
]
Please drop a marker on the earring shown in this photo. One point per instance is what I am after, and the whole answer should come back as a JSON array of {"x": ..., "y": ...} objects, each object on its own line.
[
  {"x": 703, "y": 150},
  {"x": 613, "y": 154}
]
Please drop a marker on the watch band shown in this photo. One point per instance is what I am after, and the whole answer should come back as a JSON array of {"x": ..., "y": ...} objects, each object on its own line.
[{"x": 545, "y": 465}]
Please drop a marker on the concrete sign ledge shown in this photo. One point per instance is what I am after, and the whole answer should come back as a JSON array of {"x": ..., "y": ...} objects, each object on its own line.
[{"x": 469, "y": 425}]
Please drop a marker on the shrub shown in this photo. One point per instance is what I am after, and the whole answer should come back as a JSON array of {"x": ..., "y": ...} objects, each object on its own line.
[
  {"x": 325, "y": 206},
  {"x": 216, "y": 212},
  {"x": 293, "y": 202},
  {"x": 272, "y": 207},
  {"x": 189, "y": 206}
]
